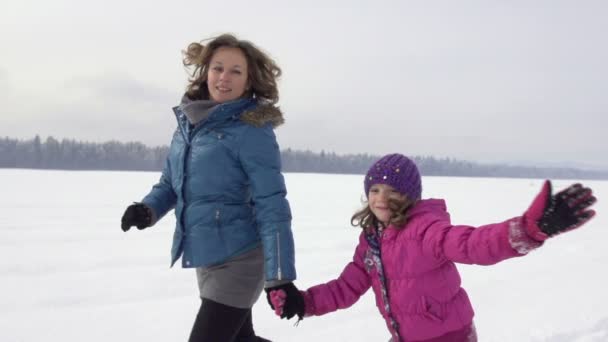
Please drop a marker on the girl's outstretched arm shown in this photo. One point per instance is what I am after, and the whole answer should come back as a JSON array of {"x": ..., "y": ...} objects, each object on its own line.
[{"x": 548, "y": 215}]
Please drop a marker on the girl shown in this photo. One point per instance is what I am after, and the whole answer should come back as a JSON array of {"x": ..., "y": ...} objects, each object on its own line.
[
  {"x": 408, "y": 247},
  {"x": 223, "y": 178}
]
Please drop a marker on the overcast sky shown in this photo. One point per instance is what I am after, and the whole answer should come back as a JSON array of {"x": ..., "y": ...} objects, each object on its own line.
[{"x": 482, "y": 80}]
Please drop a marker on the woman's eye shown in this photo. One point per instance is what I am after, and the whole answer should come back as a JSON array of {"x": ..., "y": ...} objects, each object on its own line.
[{"x": 237, "y": 72}]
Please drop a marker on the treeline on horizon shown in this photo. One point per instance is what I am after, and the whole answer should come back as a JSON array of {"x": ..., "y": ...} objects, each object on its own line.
[{"x": 69, "y": 154}]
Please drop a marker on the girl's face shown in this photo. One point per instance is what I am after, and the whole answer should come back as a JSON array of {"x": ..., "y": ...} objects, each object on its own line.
[
  {"x": 378, "y": 201},
  {"x": 227, "y": 75}
]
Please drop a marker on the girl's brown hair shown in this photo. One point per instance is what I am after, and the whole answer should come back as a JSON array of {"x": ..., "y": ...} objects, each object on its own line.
[
  {"x": 262, "y": 75},
  {"x": 366, "y": 219}
]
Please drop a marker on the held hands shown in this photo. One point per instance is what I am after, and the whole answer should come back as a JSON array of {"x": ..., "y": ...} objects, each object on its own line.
[
  {"x": 286, "y": 301},
  {"x": 550, "y": 215},
  {"x": 137, "y": 214}
]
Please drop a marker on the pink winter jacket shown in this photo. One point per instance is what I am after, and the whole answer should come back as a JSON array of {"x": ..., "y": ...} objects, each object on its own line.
[{"x": 424, "y": 291}]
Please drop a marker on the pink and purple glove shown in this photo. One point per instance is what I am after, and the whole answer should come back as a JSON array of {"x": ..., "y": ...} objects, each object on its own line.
[
  {"x": 277, "y": 301},
  {"x": 286, "y": 300},
  {"x": 549, "y": 215}
]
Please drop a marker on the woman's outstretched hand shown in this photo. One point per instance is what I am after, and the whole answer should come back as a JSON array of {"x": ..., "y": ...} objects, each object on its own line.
[{"x": 566, "y": 210}]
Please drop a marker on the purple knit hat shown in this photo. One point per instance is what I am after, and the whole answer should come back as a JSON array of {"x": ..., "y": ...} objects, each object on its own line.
[{"x": 398, "y": 171}]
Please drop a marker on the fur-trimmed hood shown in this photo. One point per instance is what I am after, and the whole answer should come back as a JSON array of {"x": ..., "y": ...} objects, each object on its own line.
[{"x": 263, "y": 114}]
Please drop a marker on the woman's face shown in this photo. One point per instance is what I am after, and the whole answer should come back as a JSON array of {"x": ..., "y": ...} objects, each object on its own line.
[
  {"x": 378, "y": 200},
  {"x": 227, "y": 75}
]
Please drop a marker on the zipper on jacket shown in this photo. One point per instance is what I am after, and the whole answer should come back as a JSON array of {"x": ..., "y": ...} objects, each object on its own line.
[
  {"x": 217, "y": 219},
  {"x": 181, "y": 128},
  {"x": 218, "y": 225},
  {"x": 279, "y": 273},
  {"x": 184, "y": 180}
]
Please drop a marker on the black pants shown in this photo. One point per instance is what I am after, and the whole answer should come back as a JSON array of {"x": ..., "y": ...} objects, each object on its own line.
[{"x": 216, "y": 322}]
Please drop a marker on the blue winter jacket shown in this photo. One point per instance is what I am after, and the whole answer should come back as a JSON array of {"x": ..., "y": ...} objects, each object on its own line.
[{"x": 223, "y": 177}]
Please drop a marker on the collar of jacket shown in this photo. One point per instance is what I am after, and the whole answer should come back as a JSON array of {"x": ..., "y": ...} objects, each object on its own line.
[
  {"x": 196, "y": 111},
  {"x": 203, "y": 112},
  {"x": 247, "y": 110}
]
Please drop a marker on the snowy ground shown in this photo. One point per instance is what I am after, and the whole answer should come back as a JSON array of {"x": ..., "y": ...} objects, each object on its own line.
[{"x": 68, "y": 273}]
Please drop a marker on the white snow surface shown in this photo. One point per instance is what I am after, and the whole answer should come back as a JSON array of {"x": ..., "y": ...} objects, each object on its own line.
[{"x": 68, "y": 272}]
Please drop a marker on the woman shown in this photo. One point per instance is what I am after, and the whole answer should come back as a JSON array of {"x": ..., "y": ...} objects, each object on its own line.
[{"x": 223, "y": 178}]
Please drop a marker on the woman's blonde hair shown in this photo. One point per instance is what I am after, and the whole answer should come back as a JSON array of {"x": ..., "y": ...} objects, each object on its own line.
[
  {"x": 262, "y": 70},
  {"x": 366, "y": 219}
]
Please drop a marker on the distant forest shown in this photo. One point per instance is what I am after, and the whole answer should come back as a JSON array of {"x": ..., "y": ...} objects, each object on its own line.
[{"x": 133, "y": 156}]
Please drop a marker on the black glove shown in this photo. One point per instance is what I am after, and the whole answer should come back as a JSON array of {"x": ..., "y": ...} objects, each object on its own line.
[
  {"x": 567, "y": 209},
  {"x": 137, "y": 214},
  {"x": 294, "y": 301}
]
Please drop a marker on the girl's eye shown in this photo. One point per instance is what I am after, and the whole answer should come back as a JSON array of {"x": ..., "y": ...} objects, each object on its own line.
[
  {"x": 237, "y": 72},
  {"x": 218, "y": 69}
]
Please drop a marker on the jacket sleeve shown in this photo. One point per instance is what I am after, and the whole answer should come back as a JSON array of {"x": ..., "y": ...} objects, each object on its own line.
[
  {"x": 161, "y": 198},
  {"x": 343, "y": 292},
  {"x": 484, "y": 245},
  {"x": 261, "y": 160}
]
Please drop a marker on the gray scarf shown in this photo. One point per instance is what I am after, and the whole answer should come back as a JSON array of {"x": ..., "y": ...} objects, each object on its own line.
[{"x": 196, "y": 110}]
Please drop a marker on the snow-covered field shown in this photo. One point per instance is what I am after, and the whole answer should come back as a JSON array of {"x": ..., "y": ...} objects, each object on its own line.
[{"x": 68, "y": 273}]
